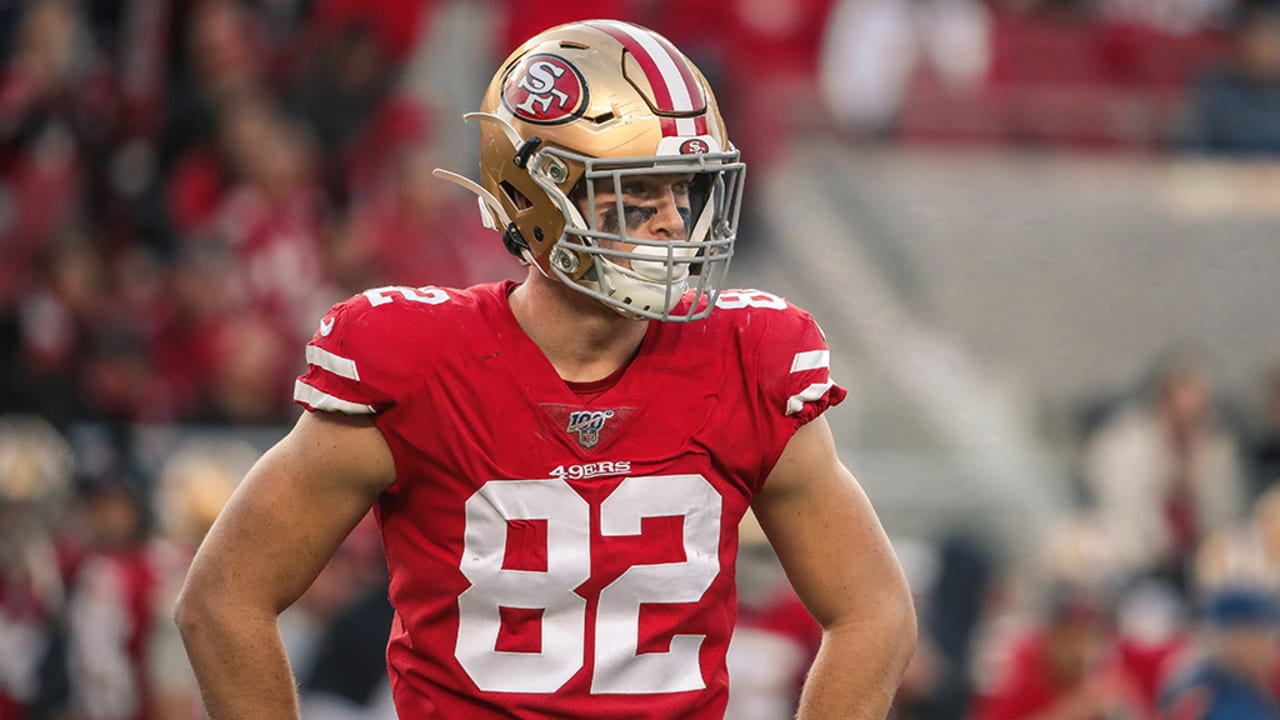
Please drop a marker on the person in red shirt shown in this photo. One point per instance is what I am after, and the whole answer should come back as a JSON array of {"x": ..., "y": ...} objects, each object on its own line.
[
  {"x": 559, "y": 466},
  {"x": 1063, "y": 668},
  {"x": 775, "y": 638}
]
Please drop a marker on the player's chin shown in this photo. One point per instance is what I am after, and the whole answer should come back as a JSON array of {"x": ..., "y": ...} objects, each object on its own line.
[{"x": 632, "y": 249}]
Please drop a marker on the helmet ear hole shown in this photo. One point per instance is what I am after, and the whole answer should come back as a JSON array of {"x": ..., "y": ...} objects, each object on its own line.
[{"x": 517, "y": 198}]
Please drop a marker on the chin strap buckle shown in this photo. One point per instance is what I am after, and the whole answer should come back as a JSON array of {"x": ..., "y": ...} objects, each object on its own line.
[{"x": 514, "y": 241}]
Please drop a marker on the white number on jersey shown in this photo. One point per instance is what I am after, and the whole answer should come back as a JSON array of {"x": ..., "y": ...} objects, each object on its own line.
[
  {"x": 738, "y": 299},
  {"x": 426, "y": 294},
  {"x": 568, "y": 566},
  {"x": 619, "y": 666}
]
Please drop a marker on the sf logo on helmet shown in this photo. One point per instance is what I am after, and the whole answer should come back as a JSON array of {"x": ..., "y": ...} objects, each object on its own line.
[
  {"x": 695, "y": 146},
  {"x": 545, "y": 89}
]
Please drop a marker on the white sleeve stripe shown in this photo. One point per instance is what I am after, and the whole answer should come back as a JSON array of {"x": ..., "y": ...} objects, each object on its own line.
[
  {"x": 811, "y": 360},
  {"x": 318, "y": 400},
  {"x": 336, "y": 364},
  {"x": 796, "y": 402}
]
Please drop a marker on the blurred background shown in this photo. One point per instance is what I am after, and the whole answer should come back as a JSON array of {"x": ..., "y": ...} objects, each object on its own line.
[{"x": 1043, "y": 237}]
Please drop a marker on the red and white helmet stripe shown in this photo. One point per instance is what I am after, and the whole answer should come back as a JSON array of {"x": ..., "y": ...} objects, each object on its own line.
[{"x": 675, "y": 88}]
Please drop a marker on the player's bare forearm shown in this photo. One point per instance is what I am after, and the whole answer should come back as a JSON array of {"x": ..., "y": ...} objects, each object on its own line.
[
  {"x": 858, "y": 669},
  {"x": 278, "y": 531},
  {"x": 240, "y": 663}
]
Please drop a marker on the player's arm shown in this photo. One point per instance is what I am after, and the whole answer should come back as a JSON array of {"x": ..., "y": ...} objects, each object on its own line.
[
  {"x": 839, "y": 560},
  {"x": 276, "y": 534}
]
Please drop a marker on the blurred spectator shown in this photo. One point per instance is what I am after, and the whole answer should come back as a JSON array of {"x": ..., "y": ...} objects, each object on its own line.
[
  {"x": 227, "y": 67},
  {"x": 35, "y": 482},
  {"x": 952, "y": 604},
  {"x": 271, "y": 219},
  {"x": 56, "y": 110},
  {"x": 1230, "y": 673},
  {"x": 347, "y": 96},
  {"x": 1235, "y": 109},
  {"x": 1093, "y": 647},
  {"x": 194, "y": 484},
  {"x": 392, "y": 238},
  {"x": 916, "y": 693},
  {"x": 253, "y": 372},
  {"x": 1164, "y": 471},
  {"x": 775, "y": 639},
  {"x": 109, "y": 610},
  {"x": 136, "y": 34},
  {"x": 185, "y": 323},
  {"x": 522, "y": 18},
  {"x": 55, "y": 318},
  {"x": 342, "y": 600},
  {"x": 225, "y": 54},
  {"x": 1247, "y": 553},
  {"x": 127, "y": 661},
  {"x": 396, "y": 25},
  {"x": 1152, "y": 633},
  {"x": 348, "y": 680},
  {"x": 213, "y": 359},
  {"x": 1064, "y": 666},
  {"x": 872, "y": 48}
]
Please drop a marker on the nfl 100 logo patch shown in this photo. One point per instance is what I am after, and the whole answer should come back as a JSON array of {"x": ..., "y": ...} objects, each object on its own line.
[{"x": 588, "y": 424}]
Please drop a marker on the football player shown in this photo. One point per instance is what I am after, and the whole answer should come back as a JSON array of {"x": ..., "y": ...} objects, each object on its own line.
[
  {"x": 559, "y": 466},
  {"x": 36, "y": 479}
]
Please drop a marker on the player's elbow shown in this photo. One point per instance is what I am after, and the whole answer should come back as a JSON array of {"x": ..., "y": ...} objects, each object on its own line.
[
  {"x": 203, "y": 612},
  {"x": 194, "y": 613},
  {"x": 885, "y": 626}
]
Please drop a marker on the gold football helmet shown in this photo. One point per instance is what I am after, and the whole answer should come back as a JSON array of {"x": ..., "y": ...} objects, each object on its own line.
[
  {"x": 37, "y": 470},
  {"x": 580, "y": 111}
]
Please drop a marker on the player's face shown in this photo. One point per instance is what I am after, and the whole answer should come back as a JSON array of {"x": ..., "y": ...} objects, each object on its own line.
[{"x": 653, "y": 207}]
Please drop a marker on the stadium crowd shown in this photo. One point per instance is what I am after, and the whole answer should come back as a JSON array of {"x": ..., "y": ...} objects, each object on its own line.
[{"x": 185, "y": 186}]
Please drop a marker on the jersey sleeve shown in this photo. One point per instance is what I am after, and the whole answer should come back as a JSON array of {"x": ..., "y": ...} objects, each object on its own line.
[
  {"x": 793, "y": 376},
  {"x": 795, "y": 369},
  {"x": 349, "y": 369}
]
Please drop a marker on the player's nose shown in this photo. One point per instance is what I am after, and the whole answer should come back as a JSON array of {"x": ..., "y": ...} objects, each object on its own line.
[{"x": 668, "y": 222}]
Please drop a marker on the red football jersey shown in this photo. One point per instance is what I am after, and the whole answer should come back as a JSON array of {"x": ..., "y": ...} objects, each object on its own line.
[{"x": 553, "y": 556}]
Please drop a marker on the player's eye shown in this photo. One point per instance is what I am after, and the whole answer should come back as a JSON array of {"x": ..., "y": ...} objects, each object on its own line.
[
  {"x": 638, "y": 215},
  {"x": 636, "y": 189}
]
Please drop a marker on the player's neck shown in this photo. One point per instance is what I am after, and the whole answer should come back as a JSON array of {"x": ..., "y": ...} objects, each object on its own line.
[{"x": 583, "y": 339}]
